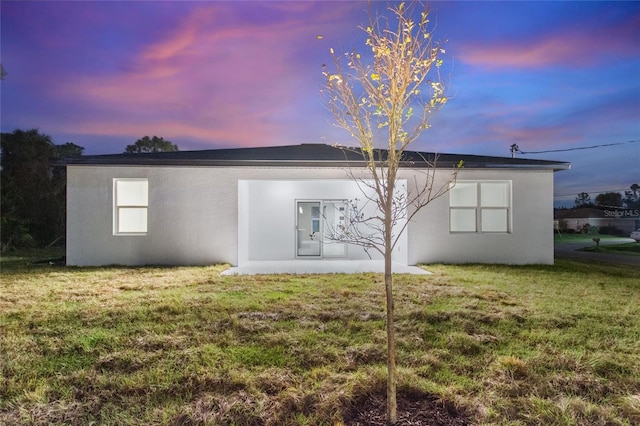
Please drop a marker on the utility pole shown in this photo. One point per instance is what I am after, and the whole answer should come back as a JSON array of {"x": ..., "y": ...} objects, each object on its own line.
[{"x": 514, "y": 149}]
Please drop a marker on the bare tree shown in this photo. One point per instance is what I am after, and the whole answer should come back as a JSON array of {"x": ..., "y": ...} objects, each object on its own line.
[{"x": 385, "y": 105}]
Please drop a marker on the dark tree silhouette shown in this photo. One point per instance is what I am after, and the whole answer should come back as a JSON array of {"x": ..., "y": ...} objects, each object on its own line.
[
  {"x": 153, "y": 144},
  {"x": 583, "y": 200},
  {"x": 632, "y": 197},
  {"x": 33, "y": 193},
  {"x": 609, "y": 199}
]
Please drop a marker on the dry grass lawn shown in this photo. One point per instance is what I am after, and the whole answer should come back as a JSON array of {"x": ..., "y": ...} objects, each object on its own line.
[{"x": 525, "y": 345}]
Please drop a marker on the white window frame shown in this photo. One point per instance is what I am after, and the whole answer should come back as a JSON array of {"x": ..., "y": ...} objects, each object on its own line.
[
  {"x": 122, "y": 205},
  {"x": 482, "y": 214}
]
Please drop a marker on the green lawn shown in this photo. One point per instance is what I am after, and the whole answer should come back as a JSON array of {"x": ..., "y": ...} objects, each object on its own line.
[
  {"x": 606, "y": 245},
  {"x": 509, "y": 345},
  {"x": 632, "y": 249},
  {"x": 587, "y": 239}
]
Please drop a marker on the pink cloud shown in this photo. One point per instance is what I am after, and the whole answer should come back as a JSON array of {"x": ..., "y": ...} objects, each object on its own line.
[
  {"x": 210, "y": 79},
  {"x": 183, "y": 38},
  {"x": 587, "y": 45},
  {"x": 235, "y": 134}
]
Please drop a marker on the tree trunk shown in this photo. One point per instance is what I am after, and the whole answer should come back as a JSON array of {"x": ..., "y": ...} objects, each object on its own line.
[{"x": 392, "y": 414}]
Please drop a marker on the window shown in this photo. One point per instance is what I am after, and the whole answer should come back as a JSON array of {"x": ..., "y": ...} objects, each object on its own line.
[
  {"x": 131, "y": 202},
  {"x": 480, "y": 206},
  {"x": 463, "y": 199}
]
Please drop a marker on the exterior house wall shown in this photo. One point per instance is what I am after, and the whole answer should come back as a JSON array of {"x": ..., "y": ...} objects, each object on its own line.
[
  {"x": 192, "y": 213},
  {"x": 530, "y": 240},
  {"x": 267, "y": 221},
  {"x": 194, "y": 216}
]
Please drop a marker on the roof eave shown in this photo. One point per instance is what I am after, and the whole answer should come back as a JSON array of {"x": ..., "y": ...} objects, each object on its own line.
[
  {"x": 79, "y": 161},
  {"x": 547, "y": 166}
]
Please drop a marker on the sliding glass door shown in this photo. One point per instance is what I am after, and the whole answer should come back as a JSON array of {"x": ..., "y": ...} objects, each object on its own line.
[
  {"x": 318, "y": 222},
  {"x": 333, "y": 213},
  {"x": 308, "y": 228}
]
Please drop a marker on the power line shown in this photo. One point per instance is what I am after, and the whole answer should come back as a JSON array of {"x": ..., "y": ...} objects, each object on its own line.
[{"x": 515, "y": 148}]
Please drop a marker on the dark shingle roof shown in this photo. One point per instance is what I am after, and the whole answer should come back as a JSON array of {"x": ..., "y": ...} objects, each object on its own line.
[{"x": 305, "y": 155}]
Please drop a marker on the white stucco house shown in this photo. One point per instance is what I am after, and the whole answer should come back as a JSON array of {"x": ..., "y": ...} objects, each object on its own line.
[{"x": 270, "y": 204}]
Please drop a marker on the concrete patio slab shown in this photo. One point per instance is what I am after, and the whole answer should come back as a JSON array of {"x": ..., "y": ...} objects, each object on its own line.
[{"x": 323, "y": 266}]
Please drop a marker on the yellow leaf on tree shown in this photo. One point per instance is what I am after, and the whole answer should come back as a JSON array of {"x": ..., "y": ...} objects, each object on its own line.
[{"x": 375, "y": 77}]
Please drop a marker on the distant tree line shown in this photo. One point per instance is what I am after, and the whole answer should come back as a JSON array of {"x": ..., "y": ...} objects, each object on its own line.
[
  {"x": 33, "y": 191},
  {"x": 631, "y": 199}
]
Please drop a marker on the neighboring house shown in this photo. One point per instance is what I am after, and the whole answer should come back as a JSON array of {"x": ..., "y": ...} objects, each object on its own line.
[
  {"x": 275, "y": 203},
  {"x": 612, "y": 220}
]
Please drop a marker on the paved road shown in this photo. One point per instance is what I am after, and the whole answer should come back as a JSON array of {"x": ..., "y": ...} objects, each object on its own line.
[{"x": 572, "y": 250}]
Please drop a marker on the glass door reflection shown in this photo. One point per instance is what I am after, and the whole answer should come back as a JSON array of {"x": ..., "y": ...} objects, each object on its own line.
[{"x": 308, "y": 226}]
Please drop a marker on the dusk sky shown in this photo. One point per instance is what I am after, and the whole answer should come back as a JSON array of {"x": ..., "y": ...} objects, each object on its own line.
[{"x": 217, "y": 74}]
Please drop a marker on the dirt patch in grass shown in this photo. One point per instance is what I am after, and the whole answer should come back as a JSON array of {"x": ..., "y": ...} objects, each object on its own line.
[{"x": 413, "y": 410}]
